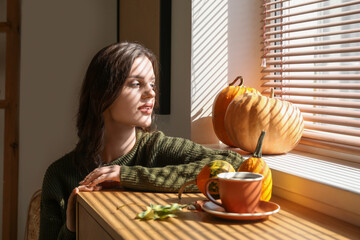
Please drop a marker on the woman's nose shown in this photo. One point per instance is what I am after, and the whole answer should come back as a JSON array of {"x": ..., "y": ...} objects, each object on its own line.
[{"x": 149, "y": 91}]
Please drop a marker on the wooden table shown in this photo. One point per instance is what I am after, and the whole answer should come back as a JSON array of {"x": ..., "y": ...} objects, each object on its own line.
[{"x": 111, "y": 215}]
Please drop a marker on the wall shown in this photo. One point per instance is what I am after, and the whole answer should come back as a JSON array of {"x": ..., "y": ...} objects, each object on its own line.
[
  {"x": 228, "y": 35},
  {"x": 226, "y": 43},
  {"x": 147, "y": 30},
  {"x": 58, "y": 39},
  {"x": 57, "y": 44}
]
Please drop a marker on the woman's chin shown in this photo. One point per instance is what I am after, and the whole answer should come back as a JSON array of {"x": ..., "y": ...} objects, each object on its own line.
[{"x": 145, "y": 124}]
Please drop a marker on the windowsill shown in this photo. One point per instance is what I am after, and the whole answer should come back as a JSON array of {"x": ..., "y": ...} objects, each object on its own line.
[{"x": 324, "y": 184}]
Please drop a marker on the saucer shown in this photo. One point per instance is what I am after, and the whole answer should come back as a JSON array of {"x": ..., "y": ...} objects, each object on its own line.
[{"x": 263, "y": 210}]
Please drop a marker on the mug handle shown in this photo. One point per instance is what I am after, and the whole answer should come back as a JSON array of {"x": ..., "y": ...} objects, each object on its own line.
[{"x": 208, "y": 195}]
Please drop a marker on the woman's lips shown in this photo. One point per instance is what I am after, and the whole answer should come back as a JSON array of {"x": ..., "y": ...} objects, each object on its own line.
[{"x": 146, "y": 108}]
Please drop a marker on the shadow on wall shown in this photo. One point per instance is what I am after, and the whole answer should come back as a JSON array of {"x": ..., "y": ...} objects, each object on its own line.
[
  {"x": 209, "y": 65},
  {"x": 202, "y": 131}
]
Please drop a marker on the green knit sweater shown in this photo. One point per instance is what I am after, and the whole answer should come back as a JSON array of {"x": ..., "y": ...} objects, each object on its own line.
[{"x": 156, "y": 163}]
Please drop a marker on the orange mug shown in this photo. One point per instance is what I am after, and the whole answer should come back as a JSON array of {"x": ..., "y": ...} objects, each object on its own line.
[{"x": 239, "y": 191}]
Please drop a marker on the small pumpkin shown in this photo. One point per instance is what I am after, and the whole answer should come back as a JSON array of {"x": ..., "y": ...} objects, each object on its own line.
[
  {"x": 249, "y": 114},
  {"x": 221, "y": 103},
  {"x": 210, "y": 170},
  {"x": 256, "y": 164}
]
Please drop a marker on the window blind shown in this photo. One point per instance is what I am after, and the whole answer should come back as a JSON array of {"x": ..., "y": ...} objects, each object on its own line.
[{"x": 311, "y": 57}]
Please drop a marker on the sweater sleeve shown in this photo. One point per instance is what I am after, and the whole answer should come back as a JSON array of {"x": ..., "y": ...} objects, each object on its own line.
[
  {"x": 173, "y": 162},
  {"x": 52, "y": 208}
]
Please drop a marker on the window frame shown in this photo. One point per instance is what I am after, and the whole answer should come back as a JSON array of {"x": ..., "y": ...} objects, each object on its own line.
[{"x": 11, "y": 122}]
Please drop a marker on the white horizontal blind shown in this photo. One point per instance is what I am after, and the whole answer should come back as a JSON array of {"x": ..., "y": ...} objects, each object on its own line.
[{"x": 311, "y": 57}]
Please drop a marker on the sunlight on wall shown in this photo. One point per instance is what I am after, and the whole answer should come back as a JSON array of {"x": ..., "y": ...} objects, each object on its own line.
[{"x": 209, "y": 64}]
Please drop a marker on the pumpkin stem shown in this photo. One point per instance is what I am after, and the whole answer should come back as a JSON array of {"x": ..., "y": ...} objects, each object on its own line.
[
  {"x": 241, "y": 81},
  {"x": 258, "y": 149},
  {"x": 184, "y": 186},
  {"x": 272, "y": 93}
]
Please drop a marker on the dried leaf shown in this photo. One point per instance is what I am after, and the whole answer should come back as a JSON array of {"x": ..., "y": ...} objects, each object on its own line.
[
  {"x": 148, "y": 214},
  {"x": 160, "y": 212}
]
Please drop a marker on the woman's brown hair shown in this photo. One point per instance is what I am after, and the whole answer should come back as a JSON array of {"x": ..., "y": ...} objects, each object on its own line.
[{"x": 103, "y": 81}]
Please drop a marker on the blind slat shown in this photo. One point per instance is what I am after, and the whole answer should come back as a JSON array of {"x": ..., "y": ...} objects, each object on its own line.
[
  {"x": 293, "y": 6},
  {"x": 355, "y": 142},
  {"x": 313, "y": 52},
  {"x": 271, "y": 3},
  {"x": 335, "y": 121},
  {"x": 314, "y": 60},
  {"x": 332, "y": 33},
  {"x": 312, "y": 85},
  {"x": 330, "y": 146},
  {"x": 349, "y": 95},
  {"x": 332, "y": 112},
  {"x": 312, "y": 77},
  {"x": 313, "y": 69},
  {"x": 312, "y": 44},
  {"x": 282, "y": 16},
  {"x": 319, "y": 26},
  {"x": 343, "y": 104},
  {"x": 311, "y": 58},
  {"x": 339, "y": 130}
]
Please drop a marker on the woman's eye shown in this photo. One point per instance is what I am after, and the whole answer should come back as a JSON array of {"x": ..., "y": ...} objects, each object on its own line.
[
  {"x": 135, "y": 84},
  {"x": 153, "y": 86}
]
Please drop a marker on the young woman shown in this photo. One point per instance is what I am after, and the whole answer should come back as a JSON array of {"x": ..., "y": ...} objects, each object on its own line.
[{"x": 115, "y": 144}]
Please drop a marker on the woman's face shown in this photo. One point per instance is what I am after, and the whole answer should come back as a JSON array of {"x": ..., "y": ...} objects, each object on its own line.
[{"x": 134, "y": 105}]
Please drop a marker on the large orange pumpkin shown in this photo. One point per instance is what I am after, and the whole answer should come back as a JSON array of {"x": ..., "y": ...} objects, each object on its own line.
[
  {"x": 249, "y": 114},
  {"x": 256, "y": 164},
  {"x": 220, "y": 105}
]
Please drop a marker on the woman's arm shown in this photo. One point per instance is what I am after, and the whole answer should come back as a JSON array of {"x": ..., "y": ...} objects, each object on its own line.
[
  {"x": 171, "y": 177},
  {"x": 52, "y": 225},
  {"x": 161, "y": 164},
  {"x": 57, "y": 184},
  {"x": 166, "y": 163}
]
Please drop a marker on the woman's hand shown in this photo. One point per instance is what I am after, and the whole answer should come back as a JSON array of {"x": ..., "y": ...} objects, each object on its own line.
[
  {"x": 108, "y": 176},
  {"x": 102, "y": 175},
  {"x": 70, "y": 210}
]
